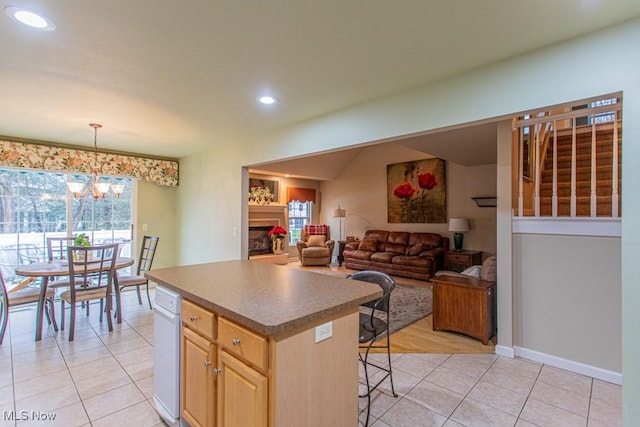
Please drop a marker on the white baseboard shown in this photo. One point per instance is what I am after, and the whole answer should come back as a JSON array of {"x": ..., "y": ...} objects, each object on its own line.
[
  {"x": 505, "y": 351},
  {"x": 558, "y": 362}
]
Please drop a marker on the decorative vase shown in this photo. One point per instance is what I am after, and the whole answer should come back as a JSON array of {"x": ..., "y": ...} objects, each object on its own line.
[
  {"x": 457, "y": 241},
  {"x": 277, "y": 246}
]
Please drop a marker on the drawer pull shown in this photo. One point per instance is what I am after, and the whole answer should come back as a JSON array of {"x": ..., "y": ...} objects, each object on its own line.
[
  {"x": 207, "y": 364},
  {"x": 216, "y": 371},
  {"x": 235, "y": 341},
  {"x": 193, "y": 318}
]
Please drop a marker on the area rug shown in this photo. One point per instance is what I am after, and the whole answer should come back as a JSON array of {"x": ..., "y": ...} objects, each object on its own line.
[{"x": 408, "y": 303}]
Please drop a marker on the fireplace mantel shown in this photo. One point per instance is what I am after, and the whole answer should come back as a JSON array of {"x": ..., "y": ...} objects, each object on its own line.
[{"x": 272, "y": 207}]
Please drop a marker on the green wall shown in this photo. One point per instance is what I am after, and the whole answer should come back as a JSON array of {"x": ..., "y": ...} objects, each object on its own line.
[{"x": 155, "y": 208}]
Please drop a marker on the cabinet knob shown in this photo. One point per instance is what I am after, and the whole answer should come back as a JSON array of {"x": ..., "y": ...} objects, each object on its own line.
[
  {"x": 207, "y": 364},
  {"x": 216, "y": 371},
  {"x": 193, "y": 318},
  {"x": 235, "y": 341}
]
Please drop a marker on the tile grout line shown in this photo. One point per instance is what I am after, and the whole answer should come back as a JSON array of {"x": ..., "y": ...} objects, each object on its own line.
[{"x": 470, "y": 390}]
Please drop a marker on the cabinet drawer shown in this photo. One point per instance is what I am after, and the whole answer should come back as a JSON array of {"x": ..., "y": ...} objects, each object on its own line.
[
  {"x": 243, "y": 343},
  {"x": 198, "y": 319},
  {"x": 453, "y": 258}
]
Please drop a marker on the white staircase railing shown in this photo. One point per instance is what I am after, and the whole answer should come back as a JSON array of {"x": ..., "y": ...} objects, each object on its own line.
[{"x": 543, "y": 128}]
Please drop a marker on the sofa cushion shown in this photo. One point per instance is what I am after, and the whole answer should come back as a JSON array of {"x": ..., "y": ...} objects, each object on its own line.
[
  {"x": 416, "y": 249},
  {"x": 316, "y": 240},
  {"x": 489, "y": 269},
  {"x": 368, "y": 244},
  {"x": 398, "y": 237},
  {"x": 379, "y": 235},
  {"x": 316, "y": 252},
  {"x": 413, "y": 261},
  {"x": 385, "y": 257},
  {"x": 396, "y": 248},
  {"x": 433, "y": 240},
  {"x": 361, "y": 255}
]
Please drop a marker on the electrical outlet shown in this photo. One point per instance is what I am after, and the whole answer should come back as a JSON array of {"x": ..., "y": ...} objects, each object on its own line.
[
  {"x": 145, "y": 227},
  {"x": 324, "y": 332},
  {"x": 235, "y": 231}
]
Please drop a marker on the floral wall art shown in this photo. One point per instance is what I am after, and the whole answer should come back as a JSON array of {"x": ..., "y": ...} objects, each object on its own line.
[
  {"x": 416, "y": 192},
  {"x": 263, "y": 191}
]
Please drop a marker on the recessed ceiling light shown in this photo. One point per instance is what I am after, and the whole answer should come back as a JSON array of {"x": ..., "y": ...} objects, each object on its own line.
[
  {"x": 29, "y": 18},
  {"x": 268, "y": 100}
]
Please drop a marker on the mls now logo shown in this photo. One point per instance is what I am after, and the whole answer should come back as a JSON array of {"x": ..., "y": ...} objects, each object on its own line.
[{"x": 28, "y": 416}]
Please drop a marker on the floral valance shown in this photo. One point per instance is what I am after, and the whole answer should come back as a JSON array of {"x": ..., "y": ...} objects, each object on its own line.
[{"x": 51, "y": 158}]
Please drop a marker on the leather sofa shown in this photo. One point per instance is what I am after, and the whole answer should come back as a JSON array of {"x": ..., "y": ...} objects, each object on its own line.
[{"x": 399, "y": 253}]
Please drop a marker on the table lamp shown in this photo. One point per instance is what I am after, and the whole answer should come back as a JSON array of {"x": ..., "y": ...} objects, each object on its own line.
[
  {"x": 340, "y": 213},
  {"x": 458, "y": 226}
]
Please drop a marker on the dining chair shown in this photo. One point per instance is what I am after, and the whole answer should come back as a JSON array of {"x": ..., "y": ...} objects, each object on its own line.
[
  {"x": 57, "y": 247},
  {"x": 374, "y": 326},
  {"x": 91, "y": 276},
  {"x": 23, "y": 296},
  {"x": 57, "y": 250},
  {"x": 145, "y": 260}
]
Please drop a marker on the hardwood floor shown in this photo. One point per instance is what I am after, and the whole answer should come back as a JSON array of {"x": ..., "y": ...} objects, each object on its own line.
[{"x": 419, "y": 337}]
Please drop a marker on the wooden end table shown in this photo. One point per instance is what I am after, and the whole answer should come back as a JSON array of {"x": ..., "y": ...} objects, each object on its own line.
[
  {"x": 461, "y": 260},
  {"x": 466, "y": 305}
]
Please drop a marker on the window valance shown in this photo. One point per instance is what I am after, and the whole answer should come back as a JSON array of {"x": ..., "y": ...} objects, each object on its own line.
[
  {"x": 52, "y": 158},
  {"x": 301, "y": 194}
]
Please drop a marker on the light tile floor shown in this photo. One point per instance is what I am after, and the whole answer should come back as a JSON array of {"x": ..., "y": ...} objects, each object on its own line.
[{"x": 105, "y": 379}]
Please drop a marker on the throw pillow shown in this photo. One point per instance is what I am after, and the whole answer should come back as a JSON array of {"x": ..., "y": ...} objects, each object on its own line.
[
  {"x": 368, "y": 245},
  {"x": 416, "y": 249},
  {"x": 473, "y": 271},
  {"x": 316, "y": 240}
]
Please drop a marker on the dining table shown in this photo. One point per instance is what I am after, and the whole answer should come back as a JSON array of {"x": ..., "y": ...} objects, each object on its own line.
[{"x": 57, "y": 268}]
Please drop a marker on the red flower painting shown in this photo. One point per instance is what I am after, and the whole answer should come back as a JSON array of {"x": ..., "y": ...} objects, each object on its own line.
[
  {"x": 427, "y": 180},
  {"x": 416, "y": 192},
  {"x": 404, "y": 191}
]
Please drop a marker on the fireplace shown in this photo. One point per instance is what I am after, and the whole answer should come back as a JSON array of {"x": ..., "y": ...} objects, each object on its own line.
[{"x": 259, "y": 242}]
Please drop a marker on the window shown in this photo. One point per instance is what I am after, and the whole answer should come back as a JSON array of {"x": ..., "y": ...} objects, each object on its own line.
[
  {"x": 299, "y": 216},
  {"x": 36, "y": 205}
]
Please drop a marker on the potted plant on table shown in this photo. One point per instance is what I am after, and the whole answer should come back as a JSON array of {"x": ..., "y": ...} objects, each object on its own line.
[
  {"x": 81, "y": 240},
  {"x": 277, "y": 235}
]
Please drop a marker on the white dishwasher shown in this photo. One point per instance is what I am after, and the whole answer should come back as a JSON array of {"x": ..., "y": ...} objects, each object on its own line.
[{"x": 166, "y": 354}]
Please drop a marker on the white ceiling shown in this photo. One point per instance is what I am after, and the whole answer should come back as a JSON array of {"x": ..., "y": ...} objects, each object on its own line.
[{"x": 175, "y": 78}]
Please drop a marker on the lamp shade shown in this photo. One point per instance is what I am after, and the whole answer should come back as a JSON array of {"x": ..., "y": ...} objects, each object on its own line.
[
  {"x": 458, "y": 224},
  {"x": 339, "y": 213}
]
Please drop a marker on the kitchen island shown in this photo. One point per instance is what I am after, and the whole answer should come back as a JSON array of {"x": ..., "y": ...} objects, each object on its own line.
[{"x": 266, "y": 345}]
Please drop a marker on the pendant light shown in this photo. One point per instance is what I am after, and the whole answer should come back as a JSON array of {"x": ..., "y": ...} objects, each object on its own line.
[{"x": 98, "y": 189}]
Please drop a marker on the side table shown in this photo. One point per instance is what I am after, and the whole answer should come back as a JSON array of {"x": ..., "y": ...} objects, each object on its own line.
[
  {"x": 341, "y": 245},
  {"x": 466, "y": 305},
  {"x": 461, "y": 260}
]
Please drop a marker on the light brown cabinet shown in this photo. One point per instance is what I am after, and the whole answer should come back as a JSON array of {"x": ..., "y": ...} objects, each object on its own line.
[
  {"x": 235, "y": 377},
  {"x": 466, "y": 305},
  {"x": 242, "y": 394},
  {"x": 218, "y": 387},
  {"x": 198, "y": 385}
]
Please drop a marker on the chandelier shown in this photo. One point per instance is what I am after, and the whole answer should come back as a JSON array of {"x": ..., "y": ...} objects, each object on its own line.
[{"x": 98, "y": 189}]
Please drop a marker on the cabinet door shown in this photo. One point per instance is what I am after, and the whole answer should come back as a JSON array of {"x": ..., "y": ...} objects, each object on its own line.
[
  {"x": 242, "y": 394},
  {"x": 198, "y": 390}
]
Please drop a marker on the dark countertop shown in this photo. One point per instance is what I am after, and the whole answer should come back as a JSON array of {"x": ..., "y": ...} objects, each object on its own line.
[{"x": 269, "y": 299}]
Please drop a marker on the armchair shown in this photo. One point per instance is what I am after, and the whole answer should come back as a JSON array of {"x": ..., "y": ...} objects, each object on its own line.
[{"x": 315, "y": 245}]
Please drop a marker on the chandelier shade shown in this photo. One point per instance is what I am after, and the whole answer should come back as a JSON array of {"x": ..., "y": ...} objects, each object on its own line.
[{"x": 98, "y": 189}]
